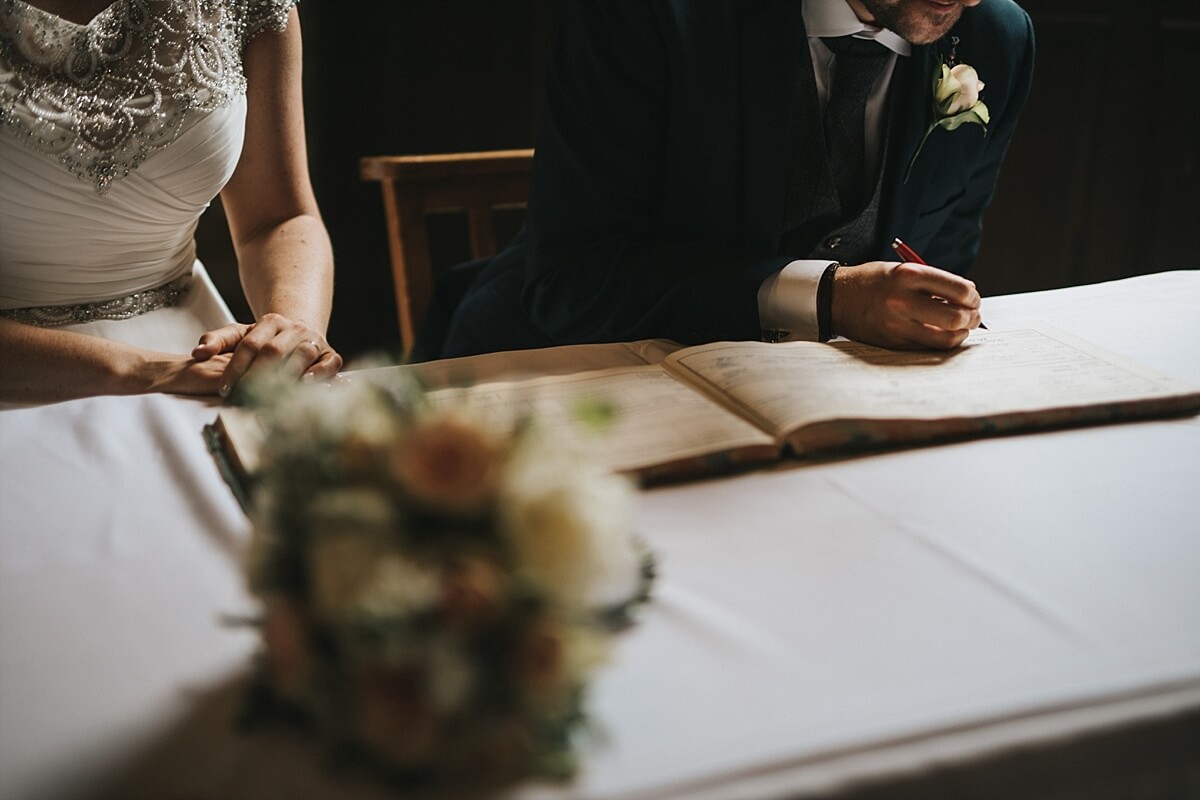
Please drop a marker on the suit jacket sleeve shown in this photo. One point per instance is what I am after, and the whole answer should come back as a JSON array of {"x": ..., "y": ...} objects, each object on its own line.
[{"x": 602, "y": 265}]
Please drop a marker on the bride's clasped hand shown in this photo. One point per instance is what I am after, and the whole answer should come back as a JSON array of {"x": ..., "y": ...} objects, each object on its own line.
[{"x": 245, "y": 351}]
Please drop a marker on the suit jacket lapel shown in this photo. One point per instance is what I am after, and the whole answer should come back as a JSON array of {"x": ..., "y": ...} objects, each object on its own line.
[
  {"x": 912, "y": 112},
  {"x": 774, "y": 51}
]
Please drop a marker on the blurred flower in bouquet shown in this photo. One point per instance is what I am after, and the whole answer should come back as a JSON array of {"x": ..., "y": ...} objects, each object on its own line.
[
  {"x": 436, "y": 589},
  {"x": 449, "y": 464},
  {"x": 569, "y": 521}
]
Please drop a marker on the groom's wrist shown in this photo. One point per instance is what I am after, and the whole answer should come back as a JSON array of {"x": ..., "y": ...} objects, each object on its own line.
[{"x": 825, "y": 329}]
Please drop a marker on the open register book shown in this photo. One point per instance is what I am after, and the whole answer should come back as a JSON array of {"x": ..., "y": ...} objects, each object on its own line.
[{"x": 716, "y": 407}]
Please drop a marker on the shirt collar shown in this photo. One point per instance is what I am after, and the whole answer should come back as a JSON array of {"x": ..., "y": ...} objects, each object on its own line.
[{"x": 836, "y": 18}]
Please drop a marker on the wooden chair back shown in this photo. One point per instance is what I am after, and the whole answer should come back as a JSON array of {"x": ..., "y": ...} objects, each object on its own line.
[{"x": 416, "y": 186}]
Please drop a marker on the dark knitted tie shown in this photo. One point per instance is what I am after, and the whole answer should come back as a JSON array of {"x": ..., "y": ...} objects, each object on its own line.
[{"x": 858, "y": 65}]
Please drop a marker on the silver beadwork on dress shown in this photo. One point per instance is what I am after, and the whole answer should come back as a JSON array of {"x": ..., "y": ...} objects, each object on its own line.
[
  {"x": 102, "y": 97},
  {"x": 169, "y": 294}
]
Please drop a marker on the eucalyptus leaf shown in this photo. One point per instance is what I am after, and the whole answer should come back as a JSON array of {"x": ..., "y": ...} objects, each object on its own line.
[
  {"x": 596, "y": 413},
  {"x": 968, "y": 117}
]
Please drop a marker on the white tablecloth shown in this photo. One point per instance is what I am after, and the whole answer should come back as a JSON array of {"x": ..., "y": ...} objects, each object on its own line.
[{"x": 815, "y": 624}]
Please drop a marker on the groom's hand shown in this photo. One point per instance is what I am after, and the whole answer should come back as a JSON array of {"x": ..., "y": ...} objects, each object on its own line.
[{"x": 903, "y": 306}]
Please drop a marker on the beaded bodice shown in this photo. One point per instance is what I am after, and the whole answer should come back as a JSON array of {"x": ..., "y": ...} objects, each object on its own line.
[{"x": 102, "y": 97}]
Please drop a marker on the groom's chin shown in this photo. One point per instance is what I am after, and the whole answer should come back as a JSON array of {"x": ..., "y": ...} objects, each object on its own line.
[{"x": 924, "y": 21}]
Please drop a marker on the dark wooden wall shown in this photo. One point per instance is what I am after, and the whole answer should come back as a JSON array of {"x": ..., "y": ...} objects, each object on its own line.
[
  {"x": 400, "y": 76},
  {"x": 1101, "y": 178},
  {"x": 1100, "y": 181}
]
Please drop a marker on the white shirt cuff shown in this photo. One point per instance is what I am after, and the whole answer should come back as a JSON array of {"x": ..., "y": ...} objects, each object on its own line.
[{"x": 787, "y": 301}]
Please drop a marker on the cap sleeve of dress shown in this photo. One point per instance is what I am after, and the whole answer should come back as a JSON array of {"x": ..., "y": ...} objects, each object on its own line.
[{"x": 262, "y": 15}]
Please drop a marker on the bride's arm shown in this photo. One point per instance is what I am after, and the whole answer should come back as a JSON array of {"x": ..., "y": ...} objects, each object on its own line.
[
  {"x": 48, "y": 365},
  {"x": 284, "y": 256}
]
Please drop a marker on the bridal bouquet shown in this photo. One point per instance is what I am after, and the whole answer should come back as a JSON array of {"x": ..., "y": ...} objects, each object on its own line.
[{"x": 435, "y": 588}]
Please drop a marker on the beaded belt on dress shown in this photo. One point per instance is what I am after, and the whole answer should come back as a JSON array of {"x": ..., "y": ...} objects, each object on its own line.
[{"x": 169, "y": 294}]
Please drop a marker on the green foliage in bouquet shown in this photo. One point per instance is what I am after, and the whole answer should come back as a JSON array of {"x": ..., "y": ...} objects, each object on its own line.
[{"x": 435, "y": 588}]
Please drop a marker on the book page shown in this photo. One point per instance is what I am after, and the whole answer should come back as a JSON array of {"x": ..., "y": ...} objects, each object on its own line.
[
  {"x": 995, "y": 373},
  {"x": 657, "y": 419},
  {"x": 525, "y": 364}
]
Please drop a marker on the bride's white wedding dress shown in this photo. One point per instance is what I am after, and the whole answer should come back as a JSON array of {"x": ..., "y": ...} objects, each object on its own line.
[{"x": 114, "y": 137}]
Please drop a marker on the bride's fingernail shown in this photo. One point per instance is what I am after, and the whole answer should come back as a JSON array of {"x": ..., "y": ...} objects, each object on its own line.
[{"x": 224, "y": 390}]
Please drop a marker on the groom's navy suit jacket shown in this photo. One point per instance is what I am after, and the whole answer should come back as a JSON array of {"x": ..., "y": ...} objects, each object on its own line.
[{"x": 671, "y": 134}]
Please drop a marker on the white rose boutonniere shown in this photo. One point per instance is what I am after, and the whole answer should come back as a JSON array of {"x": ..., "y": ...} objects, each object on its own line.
[{"x": 955, "y": 103}]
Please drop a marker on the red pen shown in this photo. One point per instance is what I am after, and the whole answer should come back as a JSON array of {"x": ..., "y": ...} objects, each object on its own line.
[
  {"x": 911, "y": 256},
  {"x": 907, "y": 253}
]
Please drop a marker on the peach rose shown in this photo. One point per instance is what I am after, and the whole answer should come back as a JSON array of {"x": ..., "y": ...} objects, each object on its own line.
[
  {"x": 285, "y": 637},
  {"x": 500, "y": 752},
  {"x": 393, "y": 715},
  {"x": 551, "y": 659},
  {"x": 449, "y": 464},
  {"x": 471, "y": 591},
  {"x": 540, "y": 658}
]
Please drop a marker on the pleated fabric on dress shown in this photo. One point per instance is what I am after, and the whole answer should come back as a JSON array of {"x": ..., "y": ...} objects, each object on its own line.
[{"x": 115, "y": 136}]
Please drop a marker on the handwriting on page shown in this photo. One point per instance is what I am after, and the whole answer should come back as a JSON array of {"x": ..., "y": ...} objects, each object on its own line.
[
  {"x": 657, "y": 419},
  {"x": 996, "y": 372}
]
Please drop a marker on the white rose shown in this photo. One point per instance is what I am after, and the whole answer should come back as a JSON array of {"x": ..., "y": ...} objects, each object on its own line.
[
  {"x": 397, "y": 587},
  {"x": 958, "y": 89},
  {"x": 350, "y": 528},
  {"x": 451, "y": 674},
  {"x": 955, "y": 103},
  {"x": 571, "y": 526}
]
